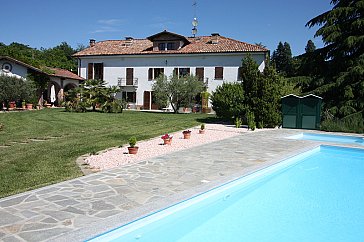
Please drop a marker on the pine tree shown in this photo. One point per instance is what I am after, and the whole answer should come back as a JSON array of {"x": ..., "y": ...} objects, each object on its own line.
[
  {"x": 311, "y": 64},
  {"x": 310, "y": 47},
  {"x": 263, "y": 91},
  {"x": 342, "y": 31},
  {"x": 282, "y": 59}
]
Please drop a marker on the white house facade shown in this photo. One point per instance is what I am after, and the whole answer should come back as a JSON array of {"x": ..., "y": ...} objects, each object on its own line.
[{"x": 133, "y": 64}]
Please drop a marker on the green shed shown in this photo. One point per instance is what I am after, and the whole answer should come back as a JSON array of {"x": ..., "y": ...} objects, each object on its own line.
[{"x": 301, "y": 112}]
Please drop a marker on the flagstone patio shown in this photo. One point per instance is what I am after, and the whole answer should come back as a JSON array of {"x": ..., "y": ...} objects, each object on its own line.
[{"x": 79, "y": 209}]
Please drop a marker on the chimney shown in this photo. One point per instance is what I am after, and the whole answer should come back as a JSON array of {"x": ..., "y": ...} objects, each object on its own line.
[
  {"x": 92, "y": 42},
  {"x": 215, "y": 38}
]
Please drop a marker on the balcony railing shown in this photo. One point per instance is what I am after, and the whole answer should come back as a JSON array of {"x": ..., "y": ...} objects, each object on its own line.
[{"x": 126, "y": 82}]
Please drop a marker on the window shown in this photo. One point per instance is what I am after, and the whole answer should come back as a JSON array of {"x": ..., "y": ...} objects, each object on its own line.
[
  {"x": 168, "y": 46},
  {"x": 129, "y": 97},
  {"x": 171, "y": 46},
  {"x": 162, "y": 46},
  {"x": 95, "y": 71},
  {"x": 240, "y": 76},
  {"x": 184, "y": 71},
  {"x": 154, "y": 73},
  {"x": 219, "y": 73},
  {"x": 158, "y": 72},
  {"x": 98, "y": 71},
  {"x": 181, "y": 71}
]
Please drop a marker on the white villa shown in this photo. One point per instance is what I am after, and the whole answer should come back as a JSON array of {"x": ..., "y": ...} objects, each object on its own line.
[{"x": 133, "y": 64}]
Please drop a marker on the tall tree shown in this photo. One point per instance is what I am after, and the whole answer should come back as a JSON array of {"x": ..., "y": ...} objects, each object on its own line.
[
  {"x": 310, "y": 47},
  {"x": 342, "y": 31},
  {"x": 282, "y": 59},
  {"x": 263, "y": 92},
  {"x": 311, "y": 65},
  {"x": 250, "y": 75}
]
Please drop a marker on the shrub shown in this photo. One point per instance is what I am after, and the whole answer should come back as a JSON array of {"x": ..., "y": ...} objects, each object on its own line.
[
  {"x": 132, "y": 141},
  {"x": 75, "y": 106},
  {"x": 114, "y": 106},
  {"x": 351, "y": 123},
  {"x": 227, "y": 100},
  {"x": 13, "y": 88},
  {"x": 251, "y": 120},
  {"x": 238, "y": 122},
  {"x": 260, "y": 125},
  {"x": 202, "y": 126}
]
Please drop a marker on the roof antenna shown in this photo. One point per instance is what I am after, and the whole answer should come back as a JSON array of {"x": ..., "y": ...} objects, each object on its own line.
[{"x": 194, "y": 22}]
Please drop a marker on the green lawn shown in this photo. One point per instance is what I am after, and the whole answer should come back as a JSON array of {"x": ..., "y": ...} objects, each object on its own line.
[{"x": 27, "y": 163}]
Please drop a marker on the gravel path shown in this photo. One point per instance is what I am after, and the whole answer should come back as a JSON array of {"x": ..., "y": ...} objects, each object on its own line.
[{"x": 154, "y": 147}]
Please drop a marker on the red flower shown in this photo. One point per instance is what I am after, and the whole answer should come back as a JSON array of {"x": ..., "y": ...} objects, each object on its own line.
[{"x": 167, "y": 136}]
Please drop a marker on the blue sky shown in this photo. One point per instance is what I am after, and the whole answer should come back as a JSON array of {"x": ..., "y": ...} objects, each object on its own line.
[{"x": 47, "y": 23}]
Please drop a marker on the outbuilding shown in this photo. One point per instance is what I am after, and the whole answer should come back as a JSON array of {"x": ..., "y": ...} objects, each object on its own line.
[{"x": 301, "y": 112}]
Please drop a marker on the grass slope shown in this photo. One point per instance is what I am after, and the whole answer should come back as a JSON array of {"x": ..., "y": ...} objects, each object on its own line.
[{"x": 40, "y": 147}]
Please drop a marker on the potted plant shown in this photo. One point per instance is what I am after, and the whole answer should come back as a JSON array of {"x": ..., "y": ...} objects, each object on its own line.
[
  {"x": 186, "y": 134},
  {"x": 23, "y": 104},
  {"x": 132, "y": 148},
  {"x": 29, "y": 106},
  {"x": 12, "y": 105},
  {"x": 167, "y": 139},
  {"x": 202, "y": 129}
]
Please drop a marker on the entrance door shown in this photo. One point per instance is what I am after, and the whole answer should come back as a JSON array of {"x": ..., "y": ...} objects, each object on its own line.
[
  {"x": 129, "y": 76},
  {"x": 146, "y": 104}
]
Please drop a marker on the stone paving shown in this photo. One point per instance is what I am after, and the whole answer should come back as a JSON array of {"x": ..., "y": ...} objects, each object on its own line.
[{"x": 79, "y": 209}]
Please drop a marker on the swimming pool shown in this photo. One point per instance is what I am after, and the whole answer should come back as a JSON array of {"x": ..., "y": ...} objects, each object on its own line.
[
  {"x": 315, "y": 196},
  {"x": 330, "y": 138}
]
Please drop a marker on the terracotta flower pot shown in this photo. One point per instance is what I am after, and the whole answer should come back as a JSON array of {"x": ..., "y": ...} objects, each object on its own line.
[
  {"x": 29, "y": 106},
  {"x": 12, "y": 105},
  {"x": 201, "y": 131},
  {"x": 187, "y": 135},
  {"x": 167, "y": 141},
  {"x": 133, "y": 150}
]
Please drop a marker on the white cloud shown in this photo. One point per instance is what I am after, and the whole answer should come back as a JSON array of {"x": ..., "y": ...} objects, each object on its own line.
[
  {"x": 111, "y": 21},
  {"x": 104, "y": 29},
  {"x": 108, "y": 25},
  {"x": 161, "y": 23}
]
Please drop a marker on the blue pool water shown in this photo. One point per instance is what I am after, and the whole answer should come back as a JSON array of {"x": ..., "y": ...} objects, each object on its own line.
[
  {"x": 315, "y": 196},
  {"x": 330, "y": 138}
]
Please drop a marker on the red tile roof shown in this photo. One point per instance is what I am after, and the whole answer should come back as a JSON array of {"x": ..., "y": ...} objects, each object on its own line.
[
  {"x": 64, "y": 73},
  {"x": 197, "y": 45},
  {"x": 57, "y": 71}
]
